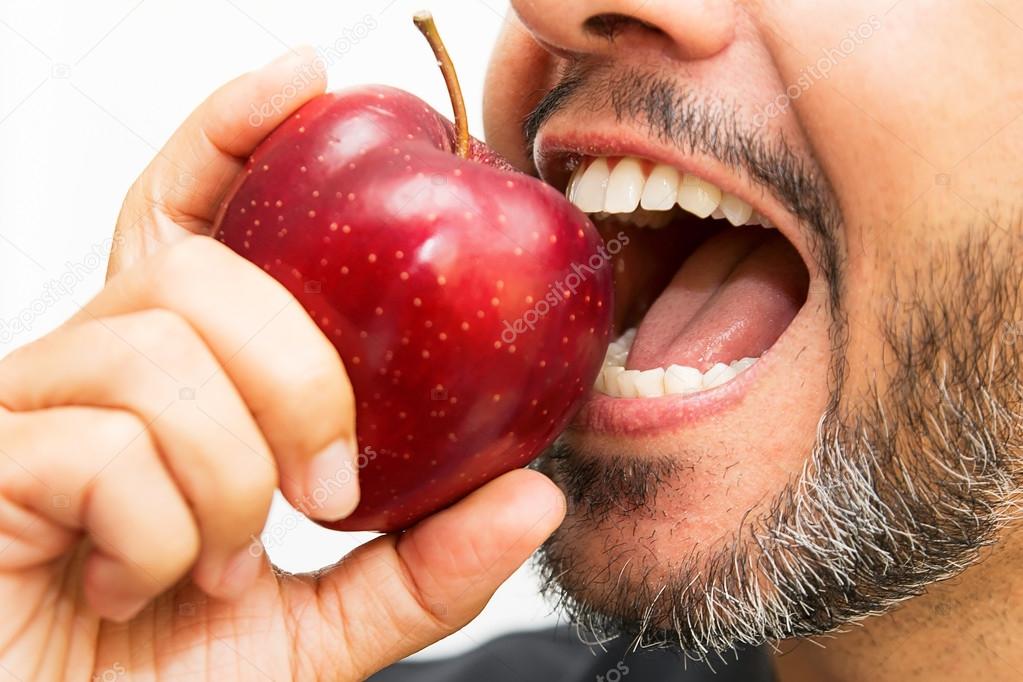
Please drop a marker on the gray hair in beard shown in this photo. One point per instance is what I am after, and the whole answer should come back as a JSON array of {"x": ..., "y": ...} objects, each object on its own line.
[{"x": 905, "y": 484}]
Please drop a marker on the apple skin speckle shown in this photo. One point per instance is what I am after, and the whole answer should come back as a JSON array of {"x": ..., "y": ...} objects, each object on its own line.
[{"x": 460, "y": 225}]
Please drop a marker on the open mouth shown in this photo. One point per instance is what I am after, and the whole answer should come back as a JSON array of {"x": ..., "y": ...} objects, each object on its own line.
[{"x": 704, "y": 284}]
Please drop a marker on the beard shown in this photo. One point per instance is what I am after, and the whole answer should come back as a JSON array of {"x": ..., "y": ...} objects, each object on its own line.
[{"x": 908, "y": 479}]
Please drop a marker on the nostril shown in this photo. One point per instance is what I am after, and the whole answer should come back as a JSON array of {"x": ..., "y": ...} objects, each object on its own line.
[{"x": 610, "y": 25}]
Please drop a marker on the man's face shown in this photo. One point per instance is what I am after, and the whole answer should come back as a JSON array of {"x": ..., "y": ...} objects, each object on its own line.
[{"x": 874, "y": 445}]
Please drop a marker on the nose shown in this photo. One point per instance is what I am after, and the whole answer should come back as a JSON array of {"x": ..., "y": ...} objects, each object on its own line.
[{"x": 688, "y": 29}]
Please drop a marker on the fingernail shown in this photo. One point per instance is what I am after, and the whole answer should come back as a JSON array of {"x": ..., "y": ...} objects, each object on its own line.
[
  {"x": 121, "y": 608},
  {"x": 239, "y": 571},
  {"x": 332, "y": 487},
  {"x": 111, "y": 592},
  {"x": 119, "y": 604}
]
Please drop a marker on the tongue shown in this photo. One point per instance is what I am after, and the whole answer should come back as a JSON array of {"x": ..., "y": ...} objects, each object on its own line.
[{"x": 732, "y": 298}]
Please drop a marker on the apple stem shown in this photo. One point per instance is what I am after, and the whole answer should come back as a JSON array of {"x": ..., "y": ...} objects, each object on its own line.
[{"x": 424, "y": 22}]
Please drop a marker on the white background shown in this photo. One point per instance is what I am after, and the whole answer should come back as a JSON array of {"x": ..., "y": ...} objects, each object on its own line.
[{"x": 90, "y": 90}]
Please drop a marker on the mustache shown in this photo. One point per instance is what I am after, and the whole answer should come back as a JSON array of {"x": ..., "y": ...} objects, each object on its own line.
[
  {"x": 696, "y": 122},
  {"x": 601, "y": 487}
]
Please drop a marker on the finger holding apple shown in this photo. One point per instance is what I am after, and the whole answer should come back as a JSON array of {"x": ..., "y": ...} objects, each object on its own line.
[
  {"x": 176, "y": 198},
  {"x": 282, "y": 366}
]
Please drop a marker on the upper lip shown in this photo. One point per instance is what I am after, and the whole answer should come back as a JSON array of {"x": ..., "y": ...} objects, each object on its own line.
[{"x": 557, "y": 154}]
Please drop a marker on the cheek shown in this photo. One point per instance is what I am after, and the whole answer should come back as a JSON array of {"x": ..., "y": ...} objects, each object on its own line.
[
  {"x": 519, "y": 74},
  {"x": 838, "y": 56},
  {"x": 915, "y": 123}
]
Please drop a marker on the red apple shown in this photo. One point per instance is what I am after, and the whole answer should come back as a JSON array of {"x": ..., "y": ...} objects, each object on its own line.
[{"x": 470, "y": 303}]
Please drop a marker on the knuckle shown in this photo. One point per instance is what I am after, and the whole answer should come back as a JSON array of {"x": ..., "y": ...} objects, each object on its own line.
[
  {"x": 428, "y": 603},
  {"x": 161, "y": 540},
  {"x": 117, "y": 430},
  {"x": 160, "y": 324},
  {"x": 112, "y": 436},
  {"x": 17, "y": 432},
  {"x": 188, "y": 262},
  {"x": 15, "y": 356},
  {"x": 233, "y": 493},
  {"x": 138, "y": 199},
  {"x": 304, "y": 384},
  {"x": 245, "y": 491},
  {"x": 167, "y": 554},
  {"x": 314, "y": 374},
  {"x": 196, "y": 253},
  {"x": 120, "y": 444},
  {"x": 167, "y": 339},
  {"x": 322, "y": 376}
]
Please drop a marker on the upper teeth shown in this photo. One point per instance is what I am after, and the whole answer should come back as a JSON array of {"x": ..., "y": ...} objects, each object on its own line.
[
  {"x": 596, "y": 187},
  {"x": 601, "y": 188},
  {"x": 616, "y": 381}
]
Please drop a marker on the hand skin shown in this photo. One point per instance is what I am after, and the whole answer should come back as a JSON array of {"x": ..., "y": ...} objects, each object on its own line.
[{"x": 141, "y": 442}]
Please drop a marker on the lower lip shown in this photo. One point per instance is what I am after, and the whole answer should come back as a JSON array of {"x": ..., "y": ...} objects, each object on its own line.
[{"x": 605, "y": 415}]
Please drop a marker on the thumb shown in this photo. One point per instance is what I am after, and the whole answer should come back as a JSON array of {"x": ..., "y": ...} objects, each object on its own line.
[{"x": 400, "y": 593}]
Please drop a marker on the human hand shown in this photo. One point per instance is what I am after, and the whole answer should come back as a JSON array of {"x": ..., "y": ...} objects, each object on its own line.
[{"x": 141, "y": 442}]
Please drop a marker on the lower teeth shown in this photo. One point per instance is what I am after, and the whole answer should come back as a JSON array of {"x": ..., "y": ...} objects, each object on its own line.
[{"x": 616, "y": 381}]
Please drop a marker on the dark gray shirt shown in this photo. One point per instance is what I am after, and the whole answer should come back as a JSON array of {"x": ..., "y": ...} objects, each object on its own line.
[{"x": 558, "y": 656}]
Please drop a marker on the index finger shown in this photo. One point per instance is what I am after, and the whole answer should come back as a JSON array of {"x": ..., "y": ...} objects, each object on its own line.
[{"x": 180, "y": 190}]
